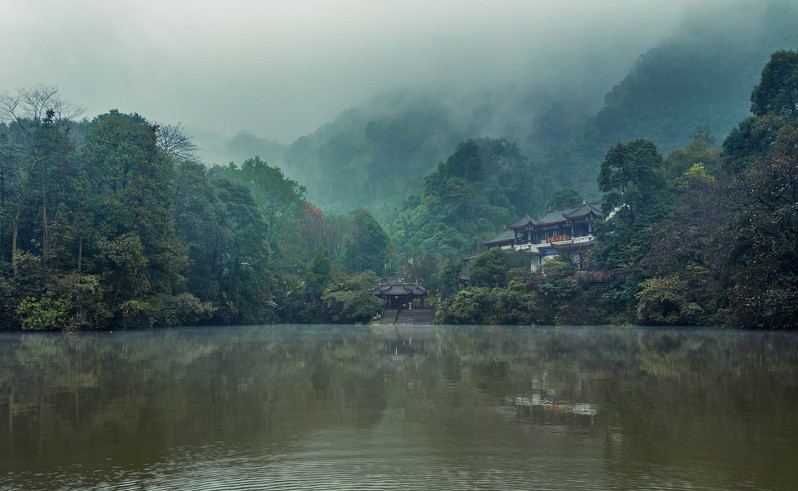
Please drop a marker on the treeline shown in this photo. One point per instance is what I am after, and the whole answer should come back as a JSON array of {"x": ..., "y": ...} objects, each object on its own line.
[
  {"x": 114, "y": 223},
  {"x": 702, "y": 236}
]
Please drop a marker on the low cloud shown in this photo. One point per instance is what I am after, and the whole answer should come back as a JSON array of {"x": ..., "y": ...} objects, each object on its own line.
[{"x": 280, "y": 69}]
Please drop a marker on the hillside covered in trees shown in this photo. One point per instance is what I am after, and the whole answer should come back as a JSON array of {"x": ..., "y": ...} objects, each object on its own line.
[
  {"x": 116, "y": 221},
  {"x": 700, "y": 236},
  {"x": 377, "y": 154}
]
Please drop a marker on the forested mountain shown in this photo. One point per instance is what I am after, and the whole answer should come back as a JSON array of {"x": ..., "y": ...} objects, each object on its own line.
[
  {"x": 373, "y": 155},
  {"x": 484, "y": 183},
  {"x": 701, "y": 236},
  {"x": 117, "y": 222},
  {"x": 377, "y": 154},
  {"x": 701, "y": 77}
]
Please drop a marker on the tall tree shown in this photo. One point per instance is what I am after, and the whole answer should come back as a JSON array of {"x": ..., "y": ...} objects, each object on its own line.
[
  {"x": 631, "y": 178},
  {"x": 280, "y": 200},
  {"x": 199, "y": 221},
  {"x": 777, "y": 92},
  {"x": 175, "y": 143},
  {"x": 368, "y": 246},
  {"x": 763, "y": 235},
  {"x": 131, "y": 184},
  {"x": 244, "y": 267},
  {"x": 36, "y": 146}
]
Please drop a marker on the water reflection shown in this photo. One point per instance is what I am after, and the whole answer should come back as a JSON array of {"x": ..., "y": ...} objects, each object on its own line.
[{"x": 324, "y": 407}]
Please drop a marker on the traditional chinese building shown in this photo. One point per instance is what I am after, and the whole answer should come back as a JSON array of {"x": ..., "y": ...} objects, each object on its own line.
[
  {"x": 398, "y": 293},
  {"x": 557, "y": 232}
]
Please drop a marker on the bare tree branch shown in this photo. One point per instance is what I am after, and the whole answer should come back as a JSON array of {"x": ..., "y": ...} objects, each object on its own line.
[{"x": 175, "y": 143}]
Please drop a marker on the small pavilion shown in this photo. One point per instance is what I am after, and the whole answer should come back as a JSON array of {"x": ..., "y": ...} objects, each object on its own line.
[{"x": 398, "y": 293}]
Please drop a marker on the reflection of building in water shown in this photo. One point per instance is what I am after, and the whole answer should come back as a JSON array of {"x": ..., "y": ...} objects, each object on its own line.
[
  {"x": 544, "y": 405},
  {"x": 542, "y": 410},
  {"x": 403, "y": 346}
]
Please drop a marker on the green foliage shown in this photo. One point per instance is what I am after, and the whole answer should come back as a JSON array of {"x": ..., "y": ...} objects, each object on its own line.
[
  {"x": 747, "y": 141},
  {"x": 136, "y": 313},
  {"x": 468, "y": 306},
  {"x": 319, "y": 272},
  {"x": 521, "y": 302},
  {"x": 661, "y": 302},
  {"x": 40, "y": 314},
  {"x": 630, "y": 171},
  {"x": 183, "y": 309},
  {"x": 701, "y": 150},
  {"x": 763, "y": 232},
  {"x": 125, "y": 265},
  {"x": 563, "y": 198},
  {"x": 687, "y": 252},
  {"x": 85, "y": 297},
  {"x": 243, "y": 268},
  {"x": 684, "y": 298},
  {"x": 130, "y": 187},
  {"x": 631, "y": 178},
  {"x": 777, "y": 92},
  {"x": 348, "y": 300},
  {"x": 702, "y": 237},
  {"x": 483, "y": 183},
  {"x": 369, "y": 247},
  {"x": 200, "y": 223},
  {"x": 556, "y": 292},
  {"x": 280, "y": 200},
  {"x": 489, "y": 269},
  {"x": 306, "y": 304},
  {"x": 558, "y": 269},
  {"x": 109, "y": 223}
]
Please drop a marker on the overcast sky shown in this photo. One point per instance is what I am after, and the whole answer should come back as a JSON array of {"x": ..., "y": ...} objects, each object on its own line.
[{"x": 280, "y": 69}]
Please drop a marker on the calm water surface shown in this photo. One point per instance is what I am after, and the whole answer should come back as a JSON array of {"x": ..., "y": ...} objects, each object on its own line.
[{"x": 325, "y": 407}]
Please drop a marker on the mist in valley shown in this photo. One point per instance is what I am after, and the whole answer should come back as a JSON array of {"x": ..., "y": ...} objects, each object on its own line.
[{"x": 360, "y": 101}]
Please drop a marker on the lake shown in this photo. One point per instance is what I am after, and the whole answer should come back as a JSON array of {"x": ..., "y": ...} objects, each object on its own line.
[{"x": 355, "y": 407}]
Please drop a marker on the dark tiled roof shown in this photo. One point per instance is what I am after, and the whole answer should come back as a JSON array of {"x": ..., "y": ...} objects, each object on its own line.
[
  {"x": 582, "y": 211},
  {"x": 523, "y": 222},
  {"x": 504, "y": 237},
  {"x": 386, "y": 289},
  {"x": 552, "y": 217}
]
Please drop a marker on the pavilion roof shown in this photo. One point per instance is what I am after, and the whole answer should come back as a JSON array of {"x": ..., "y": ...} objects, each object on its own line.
[
  {"x": 552, "y": 217},
  {"x": 523, "y": 223},
  {"x": 583, "y": 210},
  {"x": 391, "y": 287},
  {"x": 504, "y": 237}
]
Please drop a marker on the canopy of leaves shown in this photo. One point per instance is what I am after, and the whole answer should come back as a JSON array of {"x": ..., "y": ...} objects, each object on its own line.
[
  {"x": 485, "y": 183},
  {"x": 777, "y": 92}
]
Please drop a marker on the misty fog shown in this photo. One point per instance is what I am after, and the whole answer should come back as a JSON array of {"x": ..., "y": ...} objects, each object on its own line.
[{"x": 282, "y": 69}]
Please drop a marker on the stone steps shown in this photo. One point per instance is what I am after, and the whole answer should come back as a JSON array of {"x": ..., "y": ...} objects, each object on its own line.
[{"x": 407, "y": 317}]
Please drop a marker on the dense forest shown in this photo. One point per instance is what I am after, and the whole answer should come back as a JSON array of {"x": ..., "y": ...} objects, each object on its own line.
[
  {"x": 701, "y": 236},
  {"x": 377, "y": 154},
  {"x": 116, "y": 221}
]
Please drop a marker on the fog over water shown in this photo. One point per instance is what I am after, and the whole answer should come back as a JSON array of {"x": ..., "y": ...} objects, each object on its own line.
[{"x": 281, "y": 69}]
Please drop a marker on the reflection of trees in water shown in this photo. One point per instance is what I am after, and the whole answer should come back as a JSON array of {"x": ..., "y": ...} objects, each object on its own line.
[
  {"x": 130, "y": 396},
  {"x": 699, "y": 396},
  {"x": 88, "y": 398}
]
